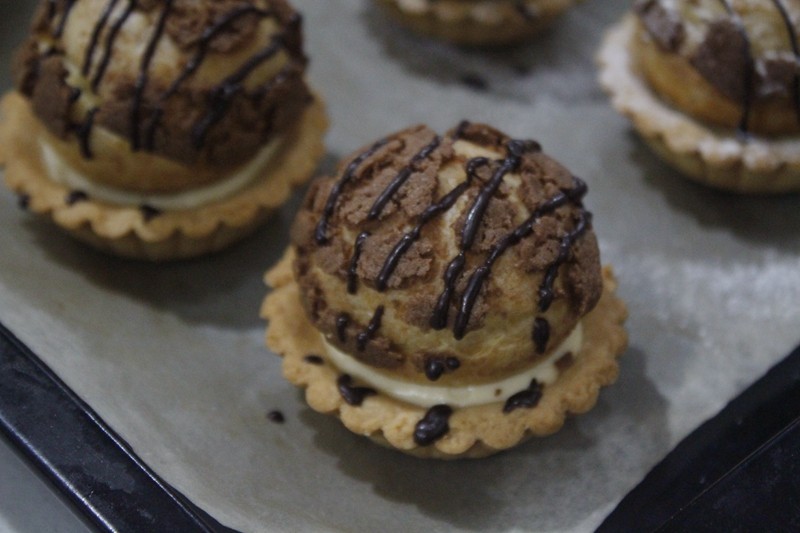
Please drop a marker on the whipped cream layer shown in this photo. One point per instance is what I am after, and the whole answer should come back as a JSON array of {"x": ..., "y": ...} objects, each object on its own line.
[
  {"x": 59, "y": 171},
  {"x": 545, "y": 372}
]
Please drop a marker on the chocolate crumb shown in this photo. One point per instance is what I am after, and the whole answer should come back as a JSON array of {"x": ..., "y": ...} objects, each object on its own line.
[
  {"x": 476, "y": 82},
  {"x": 75, "y": 197},
  {"x": 434, "y": 425},
  {"x": 434, "y": 369},
  {"x": 527, "y": 398},
  {"x": 313, "y": 359},
  {"x": 24, "y": 201},
  {"x": 352, "y": 395},
  {"x": 276, "y": 417},
  {"x": 436, "y": 366},
  {"x": 149, "y": 212}
]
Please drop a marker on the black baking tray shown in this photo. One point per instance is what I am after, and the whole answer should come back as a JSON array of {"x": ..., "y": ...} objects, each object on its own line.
[{"x": 81, "y": 456}]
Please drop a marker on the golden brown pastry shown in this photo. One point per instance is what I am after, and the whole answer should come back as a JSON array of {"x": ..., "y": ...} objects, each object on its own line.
[
  {"x": 160, "y": 129},
  {"x": 477, "y": 22},
  {"x": 443, "y": 295},
  {"x": 712, "y": 85}
]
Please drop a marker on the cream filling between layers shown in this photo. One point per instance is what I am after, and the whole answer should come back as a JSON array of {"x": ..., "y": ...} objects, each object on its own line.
[
  {"x": 61, "y": 172},
  {"x": 545, "y": 372}
]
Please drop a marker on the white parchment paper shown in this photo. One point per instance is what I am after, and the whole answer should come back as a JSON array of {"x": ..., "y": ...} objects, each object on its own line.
[{"x": 172, "y": 356}]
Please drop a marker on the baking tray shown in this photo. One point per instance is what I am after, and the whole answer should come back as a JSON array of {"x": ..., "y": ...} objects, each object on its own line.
[{"x": 171, "y": 357}]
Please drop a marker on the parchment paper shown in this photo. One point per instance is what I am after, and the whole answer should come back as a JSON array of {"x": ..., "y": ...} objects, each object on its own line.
[{"x": 172, "y": 356}]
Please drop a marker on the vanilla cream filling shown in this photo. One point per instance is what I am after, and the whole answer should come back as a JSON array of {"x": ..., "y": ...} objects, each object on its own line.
[
  {"x": 545, "y": 372},
  {"x": 61, "y": 172}
]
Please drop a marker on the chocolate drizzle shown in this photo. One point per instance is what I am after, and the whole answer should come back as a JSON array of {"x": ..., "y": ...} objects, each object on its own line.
[
  {"x": 85, "y": 130},
  {"x": 401, "y": 178},
  {"x": 373, "y": 327},
  {"x": 143, "y": 78},
  {"x": 527, "y": 398},
  {"x": 433, "y": 426},
  {"x": 59, "y": 31},
  {"x": 352, "y": 275},
  {"x": 342, "y": 322},
  {"x": 541, "y": 334},
  {"x": 351, "y": 394},
  {"x": 109, "y": 44},
  {"x": 795, "y": 50},
  {"x": 546, "y": 293},
  {"x": 321, "y": 232},
  {"x": 223, "y": 94},
  {"x": 98, "y": 29}
]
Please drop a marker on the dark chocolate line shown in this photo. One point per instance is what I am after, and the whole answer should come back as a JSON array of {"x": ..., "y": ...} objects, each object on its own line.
[
  {"x": 478, "y": 209},
  {"x": 109, "y": 44},
  {"x": 795, "y": 49},
  {"x": 194, "y": 63},
  {"x": 540, "y": 334},
  {"x": 480, "y": 274},
  {"x": 143, "y": 77},
  {"x": 452, "y": 272},
  {"x": 98, "y": 29},
  {"x": 372, "y": 329},
  {"x": 321, "y": 231},
  {"x": 747, "y": 97},
  {"x": 51, "y": 10},
  {"x": 352, "y": 269},
  {"x": 401, "y": 177},
  {"x": 342, "y": 321},
  {"x": 546, "y": 293},
  {"x": 63, "y": 22},
  {"x": 456, "y": 266},
  {"x": 85, "y": 131},
  {"x": 433, "y": 426},
  {"x": 224, "y": 93},
  {"x": 393, "y": 259}
]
